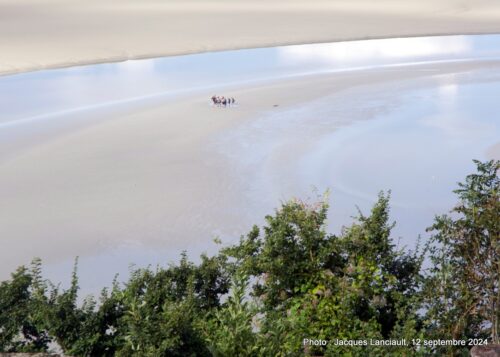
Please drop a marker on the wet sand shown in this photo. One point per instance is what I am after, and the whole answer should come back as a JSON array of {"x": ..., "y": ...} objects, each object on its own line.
[
  {"x": 40, "y": 34},
  {"x": 171, "y": 176}
]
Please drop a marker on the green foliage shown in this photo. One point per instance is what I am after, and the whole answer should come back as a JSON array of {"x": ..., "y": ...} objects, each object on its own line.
[
  {"x": 381, "y": 279},
  {"x": 284, "y": 283},
  {"x": 79, "y": 331},
  {"x": 229, "y": 330},
  {"x": 359, "y": 288},
  {"x": 315, "y": 285},
  {"x": 462, "y": 287},
  {"x": 161, "y": 310},
  {"x": 287, "y": 255},
  {"x": 20, "y": 303}
]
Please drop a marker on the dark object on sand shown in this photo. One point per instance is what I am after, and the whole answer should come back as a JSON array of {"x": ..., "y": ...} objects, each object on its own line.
[{"x": 218, "y": 101}]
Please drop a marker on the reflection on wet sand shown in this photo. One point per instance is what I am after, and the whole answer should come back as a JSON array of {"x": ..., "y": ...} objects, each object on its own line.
[{"x": 129, "y": 163}]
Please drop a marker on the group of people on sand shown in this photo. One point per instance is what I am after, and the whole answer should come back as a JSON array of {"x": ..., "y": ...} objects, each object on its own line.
[{"x": 222, "y": 101}]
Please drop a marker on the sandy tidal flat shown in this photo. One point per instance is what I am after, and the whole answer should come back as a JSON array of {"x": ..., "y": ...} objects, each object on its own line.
[
  {"x": 174, "y": 174},
  {"x": 38, "y": 34}
]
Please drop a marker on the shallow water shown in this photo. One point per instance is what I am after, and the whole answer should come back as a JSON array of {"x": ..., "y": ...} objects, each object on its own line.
[
  {"x": 47, "y": 94},
  {"x": 419, "y": 141}
]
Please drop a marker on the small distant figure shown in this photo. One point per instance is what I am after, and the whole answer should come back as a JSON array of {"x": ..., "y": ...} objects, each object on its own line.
[{"x": 222, "y": 101}]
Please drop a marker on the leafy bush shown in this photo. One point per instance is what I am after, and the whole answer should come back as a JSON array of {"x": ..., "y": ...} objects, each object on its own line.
[
  {"x": 285, "y": 282},
  {"x": 462, "y": 288}
]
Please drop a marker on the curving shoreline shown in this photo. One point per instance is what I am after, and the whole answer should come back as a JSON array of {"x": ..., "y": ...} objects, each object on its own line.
[
  {"x": 47, "y": 34},
  {"x": 117, "y": 59}
]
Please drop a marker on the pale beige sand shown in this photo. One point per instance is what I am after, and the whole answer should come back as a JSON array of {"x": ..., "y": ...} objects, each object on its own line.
[
  {"x": 148, "y": 177},
  {"x": 36, "y": 34}
]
